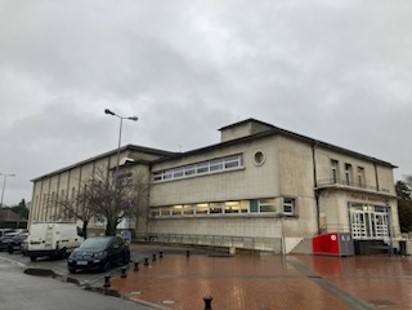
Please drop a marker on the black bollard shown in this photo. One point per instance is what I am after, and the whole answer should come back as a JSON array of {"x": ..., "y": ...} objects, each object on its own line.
[
  {"x": 146, "y": 261},
  {"x": 106, "y": 281},
  {"x": 124, "y": 275},
  {"x": 136, "y": 266},
  {"x": 160, "y": 254},
  {"x": 154, "y": 257},
  {"x": 187, "y": 253},
  {"x": 208, "y": 302}
]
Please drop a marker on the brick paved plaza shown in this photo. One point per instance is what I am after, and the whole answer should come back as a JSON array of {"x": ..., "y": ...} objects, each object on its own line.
[{"x": 262, "y": 282}]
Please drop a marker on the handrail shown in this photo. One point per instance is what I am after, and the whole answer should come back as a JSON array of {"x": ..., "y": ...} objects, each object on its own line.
[{"x": 348, "y": 183}]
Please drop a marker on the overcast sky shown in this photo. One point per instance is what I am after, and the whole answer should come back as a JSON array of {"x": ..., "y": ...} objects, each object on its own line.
[{"x": 337, "y": 71}]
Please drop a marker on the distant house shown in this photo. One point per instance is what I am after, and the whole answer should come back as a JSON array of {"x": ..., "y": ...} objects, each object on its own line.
[
  {"x": 260, "y": 187},
  {"x": 8, "y": 215}
]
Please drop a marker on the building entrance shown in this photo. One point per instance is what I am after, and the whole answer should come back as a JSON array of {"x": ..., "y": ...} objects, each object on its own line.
[{"x": 369, "y": 222}]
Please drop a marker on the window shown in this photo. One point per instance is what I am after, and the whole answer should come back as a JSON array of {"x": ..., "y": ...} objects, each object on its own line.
[
  {"x": 202, "y": 208},
  {"x": 232, "y": 162},
  {"x": 165, "y": 211},
  {"x": 190, "y": 170},
  {"x": 178, "y": 173},
  {"x": 361, "y": 177},
  {"x": 216, "y": 165},
  {"x": 232, "y": 207},
  {"x": 216, "y": 208},
  {"x": 259, "y": 158},
  {"x": 348, "y": 174},
  {"x": 188, "y": 210},
  {"x": 177, "y": 210},
  {"x": 289, "y": 207},
  {"x": 267, "y": 205},
  {"x": 202, "y": 168},
  {"x": 155, "y": 212},
  {"x": 334, "y": 170}
]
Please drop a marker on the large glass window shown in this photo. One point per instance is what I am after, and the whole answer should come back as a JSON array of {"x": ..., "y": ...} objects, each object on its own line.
[
  {"x": 232, "y": 207},
  {"x": 267, "y": 205},
  {"x": 188, "y": 210},
  {"x": 177, "y": 210},
  {"x": 216, "y": 208},
  {"x": 202, "y": 208},
  {"x": 202, "y": 168},
  {"x": 369, "y": 222}
]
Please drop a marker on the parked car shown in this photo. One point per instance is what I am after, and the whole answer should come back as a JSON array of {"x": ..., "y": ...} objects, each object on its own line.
[
  {"x": 15, "y": 243},
  {"x": 4, "y": 231},
  {"x": 99, "y": 253},
  {"x": 6, "y": 239}
]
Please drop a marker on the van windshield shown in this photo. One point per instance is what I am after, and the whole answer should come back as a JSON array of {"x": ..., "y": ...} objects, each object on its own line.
[{"x": 95, "y": 243}]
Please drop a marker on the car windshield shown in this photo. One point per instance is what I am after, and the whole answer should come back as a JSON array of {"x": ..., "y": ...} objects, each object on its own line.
[
  {"x": 95, "y": 243},
  {"x": 20, "y": 237}
]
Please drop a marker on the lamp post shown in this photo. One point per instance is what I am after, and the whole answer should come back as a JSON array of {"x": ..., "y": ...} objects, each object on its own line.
[
  {"x": 5, "y": 176},
  {"x": 121, "y": 118}
]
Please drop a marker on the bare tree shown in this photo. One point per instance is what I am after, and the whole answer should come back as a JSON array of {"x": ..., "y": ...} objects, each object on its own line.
[
  {"x": 101, "y": 196},
  {"x": 77, "y": 207},
  {"x": 125, "y": 200}
]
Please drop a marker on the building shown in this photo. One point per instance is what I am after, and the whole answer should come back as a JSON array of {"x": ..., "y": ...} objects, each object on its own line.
[{"x": 261, "y": 187}]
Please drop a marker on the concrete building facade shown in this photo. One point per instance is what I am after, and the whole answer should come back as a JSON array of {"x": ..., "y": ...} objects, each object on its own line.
[{"x": 261, "y": 187}]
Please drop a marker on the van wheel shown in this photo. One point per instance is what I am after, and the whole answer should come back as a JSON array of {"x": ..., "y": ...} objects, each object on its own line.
[
  {"x": 72, "y": 270},
  {"x": 63, "y": 253},
  {"x": 33, "y": 258}
]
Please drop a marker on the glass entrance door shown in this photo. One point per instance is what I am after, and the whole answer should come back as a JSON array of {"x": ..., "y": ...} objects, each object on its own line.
[{"x": 369, "y": 222}]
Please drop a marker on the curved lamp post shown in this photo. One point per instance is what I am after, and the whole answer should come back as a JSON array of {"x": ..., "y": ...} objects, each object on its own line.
[
  {"x": 5, "y": 176},
  {"x": 121, "y": 118}
]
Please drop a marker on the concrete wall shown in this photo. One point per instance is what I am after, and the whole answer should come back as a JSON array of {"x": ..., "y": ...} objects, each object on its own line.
[{"x": 249, "y": 182}]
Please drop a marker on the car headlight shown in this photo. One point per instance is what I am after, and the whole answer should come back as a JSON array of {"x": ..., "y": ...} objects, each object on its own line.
[{"x": 100, "y": 254}]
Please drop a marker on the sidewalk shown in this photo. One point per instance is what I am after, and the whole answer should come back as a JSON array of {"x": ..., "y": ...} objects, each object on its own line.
[{"x": 265, "y": 282}]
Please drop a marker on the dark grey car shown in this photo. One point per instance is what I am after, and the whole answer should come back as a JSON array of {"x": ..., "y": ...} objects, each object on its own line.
[{"x": 99, "y": 253}]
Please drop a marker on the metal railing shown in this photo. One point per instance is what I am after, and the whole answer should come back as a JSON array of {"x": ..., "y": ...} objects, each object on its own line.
[
  {"x": 327, "y": 182},
  {"x": 223, "y": 241}
]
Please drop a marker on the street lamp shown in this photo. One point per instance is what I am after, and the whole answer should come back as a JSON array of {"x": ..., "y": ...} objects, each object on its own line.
[
  {"x": 131, "y": 118},
  {"x": 5, "y": 176}
]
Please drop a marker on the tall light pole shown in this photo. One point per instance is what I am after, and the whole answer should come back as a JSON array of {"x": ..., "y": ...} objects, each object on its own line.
[
  {"x": 5, "y": 176},
  {"x": 121, "y": 118}
]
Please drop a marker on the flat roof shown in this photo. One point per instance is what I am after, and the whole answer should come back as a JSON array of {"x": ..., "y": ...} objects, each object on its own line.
[
  {"x": 273, "y": 130},
  {"x": 130, "y": 147}
]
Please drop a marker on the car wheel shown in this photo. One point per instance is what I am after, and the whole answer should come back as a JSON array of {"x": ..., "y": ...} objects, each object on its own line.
[
  {"x": 126, "y": 258},
  {"x": 72, "y": 270},
  {"x": 106, "y": 266},
  {"x": 33, "y": 258}
]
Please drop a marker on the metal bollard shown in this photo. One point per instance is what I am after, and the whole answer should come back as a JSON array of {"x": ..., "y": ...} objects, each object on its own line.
[
  {"x": 146, "y": 261},
  {"x": 106, "y": 281},
  {"x": 124, "y": 275},
  {"x": 154, "y": 257},
  {"x": 136, "y": 266},
  {"x": 208, "y": 302},
  {"x": 187, "y": 253},
  {"x": 160, "y": 254}
]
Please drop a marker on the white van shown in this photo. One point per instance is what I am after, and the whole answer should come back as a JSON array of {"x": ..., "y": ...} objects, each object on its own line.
[{"x": 52, "y": 239}]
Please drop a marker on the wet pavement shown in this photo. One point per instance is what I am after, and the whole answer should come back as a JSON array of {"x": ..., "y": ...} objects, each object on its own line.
[{"x": 263, "y": 282}]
